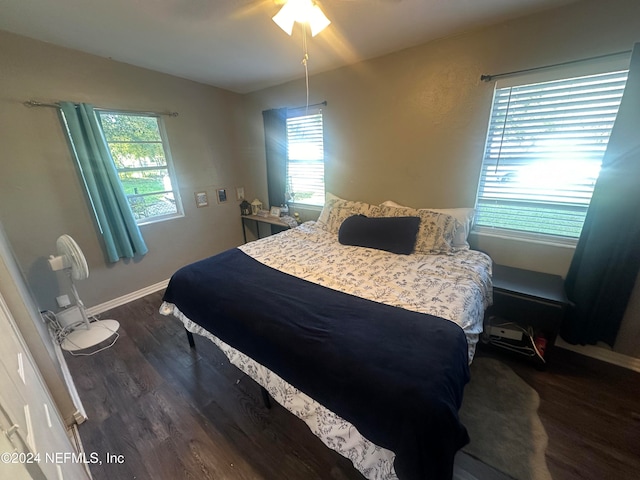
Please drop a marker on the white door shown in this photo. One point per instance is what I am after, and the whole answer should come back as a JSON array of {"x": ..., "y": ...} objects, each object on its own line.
[
  {"x": 35, "y": 442},
  {"x": 13, "y": 470}
]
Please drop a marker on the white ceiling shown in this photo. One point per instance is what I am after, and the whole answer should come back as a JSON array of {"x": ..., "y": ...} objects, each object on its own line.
[{"x": 233, "y": 44}]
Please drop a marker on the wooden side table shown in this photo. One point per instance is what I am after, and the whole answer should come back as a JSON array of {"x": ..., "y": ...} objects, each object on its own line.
[
  {"x": 258, "y": 219},
  {"x": 524, "y": 301}
]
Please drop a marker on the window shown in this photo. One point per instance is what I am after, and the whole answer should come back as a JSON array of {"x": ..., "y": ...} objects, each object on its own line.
[
  {"x": 141, "y": 154},
  {"x": 545, "y": 144},
  {"x": 305, "y": 159}
]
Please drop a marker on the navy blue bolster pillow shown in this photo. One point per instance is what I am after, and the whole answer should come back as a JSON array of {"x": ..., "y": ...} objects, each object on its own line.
[{"x": 392, "y": 234}]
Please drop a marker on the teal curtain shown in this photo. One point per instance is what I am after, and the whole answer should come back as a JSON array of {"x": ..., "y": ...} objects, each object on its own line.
[
  {"x": 120, "y": 232},
  {"x": 607, "y": 258}
]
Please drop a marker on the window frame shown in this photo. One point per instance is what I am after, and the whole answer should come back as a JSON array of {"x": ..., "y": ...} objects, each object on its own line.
[
  {"x": 168, "y": 158},
  {"x": 609, "y": 64},
  {"x": 297, "y": 113}
]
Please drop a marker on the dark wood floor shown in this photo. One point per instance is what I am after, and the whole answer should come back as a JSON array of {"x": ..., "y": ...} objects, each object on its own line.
[
  {"x": 177, "y": 413},
  {"x": 591, "y": 412}
]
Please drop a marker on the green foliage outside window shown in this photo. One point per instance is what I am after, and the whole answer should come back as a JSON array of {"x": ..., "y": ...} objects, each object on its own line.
[{"x": 138, "y": 152}]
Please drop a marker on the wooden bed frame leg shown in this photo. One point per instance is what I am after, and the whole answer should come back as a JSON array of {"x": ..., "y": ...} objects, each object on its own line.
[
  {"x": 192, "y": 343},
  {"x": 265, "y": 397}
]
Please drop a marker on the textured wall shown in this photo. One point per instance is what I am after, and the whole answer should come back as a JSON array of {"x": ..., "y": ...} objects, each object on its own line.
[
  {"x": 41, "y": 196},
  {"x": 411, "y": 126}
]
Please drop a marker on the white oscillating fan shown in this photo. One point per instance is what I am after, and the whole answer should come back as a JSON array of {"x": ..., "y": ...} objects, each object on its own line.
[{"x": 84, "y": 333}]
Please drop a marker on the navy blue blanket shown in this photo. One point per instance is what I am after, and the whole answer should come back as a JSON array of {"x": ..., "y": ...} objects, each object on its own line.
[{"x": 396, "y": 375}]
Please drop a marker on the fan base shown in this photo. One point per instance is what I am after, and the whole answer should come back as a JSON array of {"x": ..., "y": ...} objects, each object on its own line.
[{"x": 83, "y": 338}]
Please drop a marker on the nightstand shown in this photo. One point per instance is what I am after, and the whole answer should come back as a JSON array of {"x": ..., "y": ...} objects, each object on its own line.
[{"x": 528, "y": 303}]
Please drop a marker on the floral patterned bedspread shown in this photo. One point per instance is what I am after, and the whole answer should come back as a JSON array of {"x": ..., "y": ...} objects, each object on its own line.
[{"x": 454, "y": 287}]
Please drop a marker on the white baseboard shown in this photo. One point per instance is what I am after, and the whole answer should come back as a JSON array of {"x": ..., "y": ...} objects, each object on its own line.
[
  {"x": 79, "y": 415},
  {"x": 603, "y": 354},
  {"x": 76, "y": 441},
  {"x": 129, "y": 297}
]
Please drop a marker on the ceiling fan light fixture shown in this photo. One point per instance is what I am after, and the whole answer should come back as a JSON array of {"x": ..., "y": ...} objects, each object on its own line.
[
  {"x": 286, "y": 17},
  {"x": 301, "y": 11},
  {"x": 318, "y": 21}
]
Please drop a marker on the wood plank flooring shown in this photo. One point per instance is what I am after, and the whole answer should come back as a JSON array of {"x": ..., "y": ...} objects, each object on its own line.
[
  {"x": 178, "y": 413},
  {"x": 591, "y": 412}
]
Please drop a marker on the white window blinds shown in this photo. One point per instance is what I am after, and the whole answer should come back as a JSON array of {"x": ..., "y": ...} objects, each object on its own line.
[
  {"x": 305, "y": 159},
  {"x": 544, "y": 148}
]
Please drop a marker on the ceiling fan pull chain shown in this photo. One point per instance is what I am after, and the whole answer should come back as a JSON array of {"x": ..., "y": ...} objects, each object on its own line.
[{"x": 305, "y": 62}]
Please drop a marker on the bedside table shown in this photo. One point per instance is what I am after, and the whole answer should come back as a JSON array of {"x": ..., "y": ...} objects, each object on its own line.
[{"x": 525, "y": 301}]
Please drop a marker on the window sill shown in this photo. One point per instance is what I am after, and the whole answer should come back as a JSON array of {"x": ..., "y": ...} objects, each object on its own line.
[
  {"x": 540, "y": 239},
  {"x": 163, "y": 218},
  {"x": 303, "y": 206}
]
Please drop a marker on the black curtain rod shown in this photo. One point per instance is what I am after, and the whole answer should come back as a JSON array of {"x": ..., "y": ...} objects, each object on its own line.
[
  {"x": 33, "y": 103},
  {"x": 488, "y": 78},
  {"x": 308, "y": 106}
]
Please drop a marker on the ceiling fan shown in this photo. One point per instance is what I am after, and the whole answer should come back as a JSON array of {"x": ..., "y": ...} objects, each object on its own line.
[
  {"x": 302, "y": 11},
  {"x": 306, "y": 12}
]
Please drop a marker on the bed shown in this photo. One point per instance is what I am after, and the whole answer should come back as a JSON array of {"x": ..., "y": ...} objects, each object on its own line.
[{"x": 370, "y": 348}]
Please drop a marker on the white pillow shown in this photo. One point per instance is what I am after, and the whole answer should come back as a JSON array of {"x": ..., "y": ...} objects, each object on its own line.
[
  {"x": 436, "y": 230},
  {"x": 329, "y": 200},
  {"x": 464, "y": 215},
  {"x": 337, "y": 209}
]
